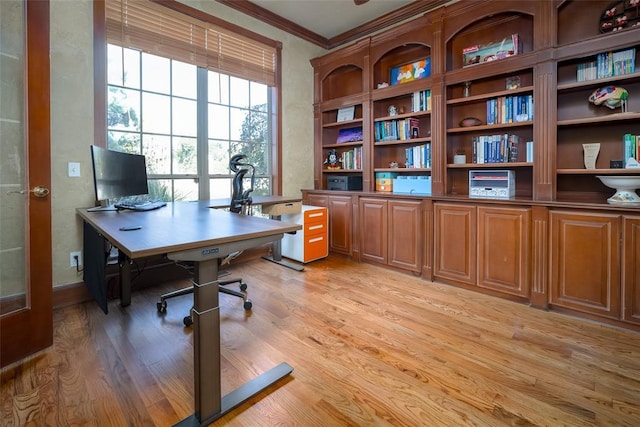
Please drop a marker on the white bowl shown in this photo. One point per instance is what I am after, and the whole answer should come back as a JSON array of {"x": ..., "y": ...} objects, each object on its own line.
[{"x": 625, "y": 186}]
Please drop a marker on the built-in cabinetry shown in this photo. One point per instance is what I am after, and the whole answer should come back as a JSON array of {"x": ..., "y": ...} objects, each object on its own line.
[
  {"x": 595, "y": 263},
  {"x": 391, "y": 232},
  {"x": 631, "y": 272},
  {"x": 585, "y": 271},
  {"x": 484, "y": 246},
  {"x": 506, "y": 91}
]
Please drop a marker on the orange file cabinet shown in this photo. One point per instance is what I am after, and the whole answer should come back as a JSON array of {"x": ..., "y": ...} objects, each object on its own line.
[{"x": 312, "y": 242}]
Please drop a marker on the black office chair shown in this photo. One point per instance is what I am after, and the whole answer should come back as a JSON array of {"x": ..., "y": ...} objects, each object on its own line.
[{"x": 240, "y": 204}]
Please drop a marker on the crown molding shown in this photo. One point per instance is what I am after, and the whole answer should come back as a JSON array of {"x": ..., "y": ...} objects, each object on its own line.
[{"x": 391, "y": 18}]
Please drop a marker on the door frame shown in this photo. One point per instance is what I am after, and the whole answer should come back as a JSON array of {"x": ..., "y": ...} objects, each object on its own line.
[{"x": 30, "y": 329}]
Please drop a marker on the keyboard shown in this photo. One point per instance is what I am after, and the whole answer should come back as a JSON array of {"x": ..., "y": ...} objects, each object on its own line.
[{"x": 141, "y": 206}]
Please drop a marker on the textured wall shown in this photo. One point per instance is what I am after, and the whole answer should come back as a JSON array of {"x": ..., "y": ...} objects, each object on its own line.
[{"x": 72, "y": 115}]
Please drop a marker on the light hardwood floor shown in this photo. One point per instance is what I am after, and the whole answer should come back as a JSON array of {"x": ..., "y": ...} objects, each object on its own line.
[{"x": 369, "y": 347}]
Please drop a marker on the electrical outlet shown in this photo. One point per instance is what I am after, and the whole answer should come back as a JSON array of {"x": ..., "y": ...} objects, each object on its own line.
[{"x": 72, "y": 259}]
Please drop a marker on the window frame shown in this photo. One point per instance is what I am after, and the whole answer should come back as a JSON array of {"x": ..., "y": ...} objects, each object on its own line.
[{"x": 100, "y": 80}]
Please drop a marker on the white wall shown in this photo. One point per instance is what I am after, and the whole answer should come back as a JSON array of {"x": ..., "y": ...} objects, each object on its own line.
[{"x": 72, "y": 115}]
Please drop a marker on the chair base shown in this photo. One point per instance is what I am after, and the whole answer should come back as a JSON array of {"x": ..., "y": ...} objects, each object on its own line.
[{"x": 162, "y": 304}]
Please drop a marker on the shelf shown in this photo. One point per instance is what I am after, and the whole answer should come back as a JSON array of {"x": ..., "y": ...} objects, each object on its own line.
[
  {"x": 489, "y": 127},
  {"x": 402, "y": 141},
  {"x": 343, "y": 123},
  {"x": 615, "y": 117},
  {"x": 343, "y": 144},
  {"x": 598, "y": 171},
  {"x": 341, "y": 170},
  {"x": 489, "y": 165},
  {"x": 483, "y": 97},
  {"x": 565, "y": 87},
  {"x": 403, "y": 116},
  {"x": 402, "y": 170}
]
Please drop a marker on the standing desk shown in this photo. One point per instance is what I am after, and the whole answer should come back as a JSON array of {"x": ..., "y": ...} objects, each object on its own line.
[
  {"x": 191, "y": 231},
  {"x": 274, "y": 206}
]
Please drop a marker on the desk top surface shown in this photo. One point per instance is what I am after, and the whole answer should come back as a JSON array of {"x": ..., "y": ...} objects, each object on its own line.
[
  {"x": 255, "y": 200},
  {"x": 180, "y": 226}
]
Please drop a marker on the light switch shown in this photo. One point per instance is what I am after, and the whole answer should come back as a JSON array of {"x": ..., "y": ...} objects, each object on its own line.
[{"x": 74, "y": 169}]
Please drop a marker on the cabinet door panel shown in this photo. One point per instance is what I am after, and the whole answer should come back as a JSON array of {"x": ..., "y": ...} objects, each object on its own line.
[
  {"x": 317, "y": 200},
  {"x": 585, "y": 262},
  {"x": 503, "y": 254},
  {"x": 340, "y": 211},
  {"x": 405, "y": 235},
  {"x": 631, "y": 278},
  {"x": 373, "y": 214},
  {"x": 455, "y": 242}
]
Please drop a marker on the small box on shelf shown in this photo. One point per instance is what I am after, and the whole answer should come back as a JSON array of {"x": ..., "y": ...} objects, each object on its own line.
[
  {"x": 492, "y": 184},
  {"x": 412, "y": 184},
  {"x": 344, "y": 182},
  {"x": 478, "y": 54},
  {"x": 384, "y": 181}
]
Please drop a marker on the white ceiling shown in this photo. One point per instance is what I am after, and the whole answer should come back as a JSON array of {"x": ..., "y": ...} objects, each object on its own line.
[{"x": 330, "y": 18}]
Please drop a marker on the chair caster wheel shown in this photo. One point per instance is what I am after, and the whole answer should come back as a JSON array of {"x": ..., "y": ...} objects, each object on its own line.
[
  {"x": 248, "y": 304},
  {"x": 188, "y": 321},
  {"x": 161, "y": 306},
  {"x": 243, "y": 286}
]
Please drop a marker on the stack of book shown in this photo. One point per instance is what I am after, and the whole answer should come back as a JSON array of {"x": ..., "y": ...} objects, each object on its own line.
[
  {"x": 608, "y": 64},
  {"x": 421, "y": 100},
  {"x": 501, "y": 148},
  {"x": 510, "y": 109},
  {"x": 418, "y": 156},
  {"x": 631, "y": 147},
  {"x": 352, "y": 159},
  {"x": 393, "y": 130}
]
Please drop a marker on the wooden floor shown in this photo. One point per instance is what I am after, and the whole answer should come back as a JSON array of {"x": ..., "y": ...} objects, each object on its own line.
[{"x": 369, "y": 347}]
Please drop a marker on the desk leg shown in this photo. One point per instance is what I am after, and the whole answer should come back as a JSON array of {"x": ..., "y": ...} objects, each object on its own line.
[
  {"x": 209, "y": 403},
  {"x": 276, "y": 253},
  {"x": 124, "y": 265}
]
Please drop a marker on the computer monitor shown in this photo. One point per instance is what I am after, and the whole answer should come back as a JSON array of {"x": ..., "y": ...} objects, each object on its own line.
[{"x": 117, "y": 174}]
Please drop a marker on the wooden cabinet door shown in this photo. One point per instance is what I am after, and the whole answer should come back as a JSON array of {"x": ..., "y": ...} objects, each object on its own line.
[
  {"x": 455, "y": 243},
  {"x": 503, "y": 249},
  {"x": 404, "y": 234},
  {"x": 340, "y": 224},
  {"x": 373, "y": 230},
  {"x": 631, "y": 275},
  {"x": 585, "y": 262}
]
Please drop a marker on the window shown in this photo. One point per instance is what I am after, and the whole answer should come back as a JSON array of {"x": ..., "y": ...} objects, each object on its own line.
[{"x": 188, "y": 113}]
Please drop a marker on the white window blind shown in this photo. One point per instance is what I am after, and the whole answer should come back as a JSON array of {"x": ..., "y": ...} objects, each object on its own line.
[{"x": 159, "y": 30}]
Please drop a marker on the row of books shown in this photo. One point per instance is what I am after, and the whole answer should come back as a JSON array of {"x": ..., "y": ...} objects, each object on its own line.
[
  {"x": 501, "y": 148},
  {"x": 510, "y": 109},
  {"x": 631, "y": 146},
  {"x": 418, "y": 156},
  {"x": 421, "y": 100},
  {"x": 394, "y": 130},
  {"x": 352, "y": 159},
  {"x": 607, "y": 65}
]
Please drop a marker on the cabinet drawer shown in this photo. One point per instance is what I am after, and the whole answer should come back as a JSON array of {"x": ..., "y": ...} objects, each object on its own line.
[
  {"x": 315, "y": 228},
  {"x": 315, "y": 215},
  {"x": 315, "y": 247}
]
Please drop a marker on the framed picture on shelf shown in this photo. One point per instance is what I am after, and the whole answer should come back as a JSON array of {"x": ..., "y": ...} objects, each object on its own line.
[
  {"x": 349, "y": 135},
  {"x": 346, "y": 113},
  {"x": 411, "y": 71}
]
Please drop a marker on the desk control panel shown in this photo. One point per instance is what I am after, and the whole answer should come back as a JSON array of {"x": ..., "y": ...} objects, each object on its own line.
[{"x": 312, "y": 242}]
